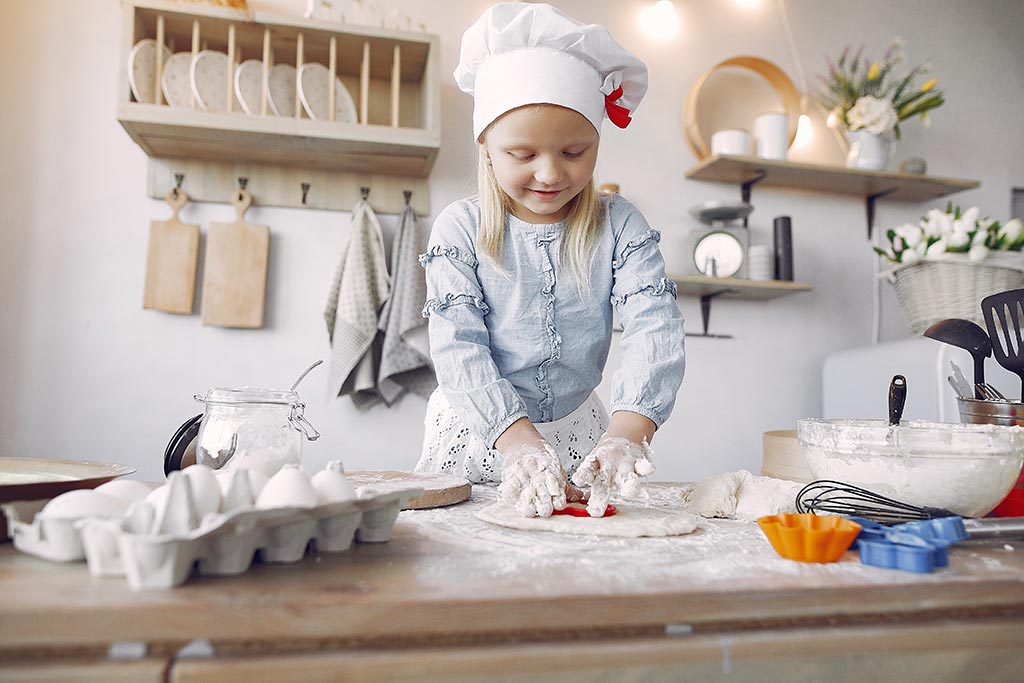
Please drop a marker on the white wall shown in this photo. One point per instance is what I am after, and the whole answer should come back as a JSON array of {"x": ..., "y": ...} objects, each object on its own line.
[{"x": 87, "y": 373}]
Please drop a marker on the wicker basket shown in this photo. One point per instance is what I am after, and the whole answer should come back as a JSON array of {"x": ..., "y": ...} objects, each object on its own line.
[{"x": 934, "y": 290}]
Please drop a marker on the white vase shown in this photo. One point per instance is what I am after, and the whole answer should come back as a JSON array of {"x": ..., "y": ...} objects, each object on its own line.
[{"x": 869, "y": 151}]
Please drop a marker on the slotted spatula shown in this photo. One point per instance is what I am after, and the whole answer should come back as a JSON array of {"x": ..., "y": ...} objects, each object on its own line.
[{"x": 1004, "y": 312}]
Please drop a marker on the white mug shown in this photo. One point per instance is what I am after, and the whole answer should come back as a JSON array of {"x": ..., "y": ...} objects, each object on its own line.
[
  {"x": 771, "y": 131},
  {"x": 731, "y": 141}
]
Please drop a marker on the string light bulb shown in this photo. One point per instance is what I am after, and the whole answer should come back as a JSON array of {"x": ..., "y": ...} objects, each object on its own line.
[{"x": 659, "y": 20}]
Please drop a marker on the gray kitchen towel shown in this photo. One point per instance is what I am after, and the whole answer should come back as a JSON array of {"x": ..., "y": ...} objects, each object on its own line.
[
  {"x": 359, "y": 290},
  {"x": 403, "y": 367}
]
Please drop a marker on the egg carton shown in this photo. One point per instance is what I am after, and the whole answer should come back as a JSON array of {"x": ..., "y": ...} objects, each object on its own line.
[{"x": 160, "y": 547}]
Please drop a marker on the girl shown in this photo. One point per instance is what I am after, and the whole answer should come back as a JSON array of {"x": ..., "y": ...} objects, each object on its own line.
[{"x": 522, "y": 279}]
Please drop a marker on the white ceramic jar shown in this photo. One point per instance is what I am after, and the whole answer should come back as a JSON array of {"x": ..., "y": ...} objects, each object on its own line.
[{"x": 255, "y": 428}]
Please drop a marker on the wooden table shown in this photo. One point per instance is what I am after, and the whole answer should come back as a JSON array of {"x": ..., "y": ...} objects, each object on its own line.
[{"x": 453, "y": 598}]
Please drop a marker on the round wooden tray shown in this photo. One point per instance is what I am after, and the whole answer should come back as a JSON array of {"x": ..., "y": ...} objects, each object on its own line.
[
  {"x": 775, "y": 76},
  {"x": 439, "y": 490}
]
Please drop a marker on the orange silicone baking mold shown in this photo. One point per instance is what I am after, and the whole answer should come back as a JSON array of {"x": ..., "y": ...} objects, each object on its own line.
[{"x": 809, "y": 537}]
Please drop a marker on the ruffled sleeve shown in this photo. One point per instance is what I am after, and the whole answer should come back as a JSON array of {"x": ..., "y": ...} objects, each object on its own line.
[
  {"x": 459, "y": 339},
  {"x": 653, "y": 355}
]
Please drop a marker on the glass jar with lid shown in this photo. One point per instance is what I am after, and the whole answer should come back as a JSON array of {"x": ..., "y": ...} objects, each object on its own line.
[{"x": 260, "y": 428}]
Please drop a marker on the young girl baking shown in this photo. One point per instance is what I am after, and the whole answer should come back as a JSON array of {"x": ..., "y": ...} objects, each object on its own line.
[{"x": 523, "y": 278}]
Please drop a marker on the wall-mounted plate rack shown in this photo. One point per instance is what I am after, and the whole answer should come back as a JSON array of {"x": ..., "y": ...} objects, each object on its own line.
[{"x": 392, "y": 77}]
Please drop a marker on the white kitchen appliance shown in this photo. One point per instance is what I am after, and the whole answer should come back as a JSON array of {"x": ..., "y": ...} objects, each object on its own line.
[{"x": 855, "y": 381}]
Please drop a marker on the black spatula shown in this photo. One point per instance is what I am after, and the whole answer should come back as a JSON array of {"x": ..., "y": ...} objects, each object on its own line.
[
  {"x": 1004, "y": 312},
  {"x": 966, "y": 335}
]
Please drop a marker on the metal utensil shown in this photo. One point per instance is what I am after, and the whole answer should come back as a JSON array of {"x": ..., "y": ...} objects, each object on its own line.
[
  {"x": 967, "y": 335},
  {"x": 964, "y": 387},
  {"x": 989, "y": 392},
  {"x": 956, "y": 387},
  {"x": 1006, "y": 308},
  {"x": 897, "y": 398},
  {"x": 835, "y": 497}
]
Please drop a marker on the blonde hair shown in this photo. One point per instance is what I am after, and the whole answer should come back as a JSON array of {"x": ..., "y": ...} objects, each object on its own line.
[{"x": 582, "y": 229}]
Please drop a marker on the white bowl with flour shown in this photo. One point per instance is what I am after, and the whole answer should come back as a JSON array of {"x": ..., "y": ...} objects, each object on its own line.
[{"x": 965, "y": 468}]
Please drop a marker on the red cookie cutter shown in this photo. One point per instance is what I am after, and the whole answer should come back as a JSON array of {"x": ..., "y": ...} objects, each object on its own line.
[{"x": 580, "y": 510}]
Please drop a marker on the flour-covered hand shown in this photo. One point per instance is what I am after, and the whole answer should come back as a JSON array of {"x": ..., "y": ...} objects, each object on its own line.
[
  {"x": 533, "y": 480},
  {"x": 614, "y": 466}
]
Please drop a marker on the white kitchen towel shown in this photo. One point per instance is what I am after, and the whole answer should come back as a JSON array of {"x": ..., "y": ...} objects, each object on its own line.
[
  {"x": 403, "y": 367},
  {"x": 359, "y": 290}
]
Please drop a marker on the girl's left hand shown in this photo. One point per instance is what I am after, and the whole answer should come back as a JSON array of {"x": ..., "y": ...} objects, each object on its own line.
[{"x": 614, "y": 466}]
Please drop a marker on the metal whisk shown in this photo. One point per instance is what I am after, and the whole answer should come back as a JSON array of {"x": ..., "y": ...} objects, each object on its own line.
[{"x": 836, "y": 497}]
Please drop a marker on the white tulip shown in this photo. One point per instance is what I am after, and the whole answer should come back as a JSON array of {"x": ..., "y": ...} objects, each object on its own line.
[
  {"x": 937, "y": 249},
  {"x": 970, "y": 216},
  {"x": 932, "y": 223},
  {"x": 910, "y": 256},
  {"x": 956, "y": 240},
  {"x": 911, "y": 234},
  {"x": 979, "y": 238},
  {"x": 1011, "y": 231},
  {"x": 978, "y": 253}
]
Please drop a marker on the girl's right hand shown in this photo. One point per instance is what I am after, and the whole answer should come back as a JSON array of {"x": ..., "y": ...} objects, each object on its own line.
[{"x": 533, "y": 480}]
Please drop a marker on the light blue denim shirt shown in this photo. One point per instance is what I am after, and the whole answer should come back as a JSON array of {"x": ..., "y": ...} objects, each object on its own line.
[{"x": 526, "y": 344}]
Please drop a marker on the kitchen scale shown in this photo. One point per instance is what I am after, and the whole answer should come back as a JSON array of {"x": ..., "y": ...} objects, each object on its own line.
[{"x": 720, "y": 248}]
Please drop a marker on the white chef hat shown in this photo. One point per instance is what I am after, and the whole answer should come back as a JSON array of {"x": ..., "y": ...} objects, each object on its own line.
[{"x": 521, "y": 53}]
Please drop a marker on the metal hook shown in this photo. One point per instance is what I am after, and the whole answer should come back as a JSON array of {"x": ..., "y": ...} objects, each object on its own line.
[
  {"x": 179, "y": 178},
  {"x": 305, "y": 191},
  {"x": 408, "y": 196},
  {"x": 242, "y": 182},
  {"x": 365, "y": 191}
]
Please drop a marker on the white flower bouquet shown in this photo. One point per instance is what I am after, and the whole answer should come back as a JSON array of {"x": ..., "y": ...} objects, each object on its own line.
[
  {"x": 946, "y": 263},
  {"x": 941, "y": 233}
]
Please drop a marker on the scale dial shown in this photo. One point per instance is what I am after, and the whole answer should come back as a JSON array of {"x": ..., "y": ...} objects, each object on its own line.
[{"x": 726, "y": 250}]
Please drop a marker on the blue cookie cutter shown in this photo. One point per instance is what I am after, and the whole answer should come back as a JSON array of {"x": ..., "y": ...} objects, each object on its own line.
[{"x": 916, "y": 547}]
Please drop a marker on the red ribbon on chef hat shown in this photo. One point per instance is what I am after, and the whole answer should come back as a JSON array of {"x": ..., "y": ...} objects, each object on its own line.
[{"x": 618, "y": 114}]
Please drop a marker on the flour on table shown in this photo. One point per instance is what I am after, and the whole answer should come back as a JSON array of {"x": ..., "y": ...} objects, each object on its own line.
[
  {"x": 741, "y": 495},
  {"x": 631, "y": 521}
]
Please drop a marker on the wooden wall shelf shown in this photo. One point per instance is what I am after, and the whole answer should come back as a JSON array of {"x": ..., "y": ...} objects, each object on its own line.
[
  {"x": 736, "y": 288},
  {"x": 869, "y": 185},
  {"x": 709, "y": 288},
  {"x": 392, "y": 77}
]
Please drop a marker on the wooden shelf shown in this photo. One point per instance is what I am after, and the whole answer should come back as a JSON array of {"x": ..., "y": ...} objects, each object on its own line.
[
  {"x": 736, "y": 288},
  {"x": 710, "y": 288},
  {"x": 820, "y": 178},
  {"x": 392, "y": 76}
]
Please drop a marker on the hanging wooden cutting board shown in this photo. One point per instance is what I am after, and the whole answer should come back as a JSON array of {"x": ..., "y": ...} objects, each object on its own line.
[
  {"x": 439, "y": 490},
  {"x": 171, "y": 261},
  {"x": 235, "y": 272}
]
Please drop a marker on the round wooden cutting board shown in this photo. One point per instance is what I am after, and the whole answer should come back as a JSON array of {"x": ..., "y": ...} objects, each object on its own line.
[{"x": 439, "y": 490}]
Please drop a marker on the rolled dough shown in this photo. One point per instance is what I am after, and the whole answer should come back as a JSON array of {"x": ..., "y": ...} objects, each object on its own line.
[{"x": 629, "y": 521}]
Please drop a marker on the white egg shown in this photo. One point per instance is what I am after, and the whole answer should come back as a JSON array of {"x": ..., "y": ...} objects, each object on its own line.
[
  {"x": 125, "y": 489},
  {"x": 205, "y": 489},
  {"x": 83, "y": 503},
  {"x": 290, "y": 487},
  {"x": 257, "y": 479},
  {"x": 332, "y": 485}
]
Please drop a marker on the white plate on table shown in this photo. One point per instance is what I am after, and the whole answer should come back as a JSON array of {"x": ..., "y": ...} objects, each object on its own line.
[
  {"x": 142, "y": 70},
  {"x": 176, "y": 82},
  {"x": 208, "y": 77},
  {"x": 314, "y": 91},
  {"x": 281, "y": 89},
  {"x": 249, "y": 85}
]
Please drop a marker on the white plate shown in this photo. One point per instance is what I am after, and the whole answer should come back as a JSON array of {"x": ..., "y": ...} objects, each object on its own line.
[
  {"x": 282, "y": 89},
  {"x": 142, "y": 69},
  {"x": 314, "y": 81},
  {"x": 249, "y": 84},
  {"x": 176, "y": 82},
  {"x": 208, "y": 77}
]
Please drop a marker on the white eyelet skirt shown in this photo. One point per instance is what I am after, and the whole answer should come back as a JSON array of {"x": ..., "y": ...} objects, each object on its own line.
[{"x": 449, "y": 447}]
